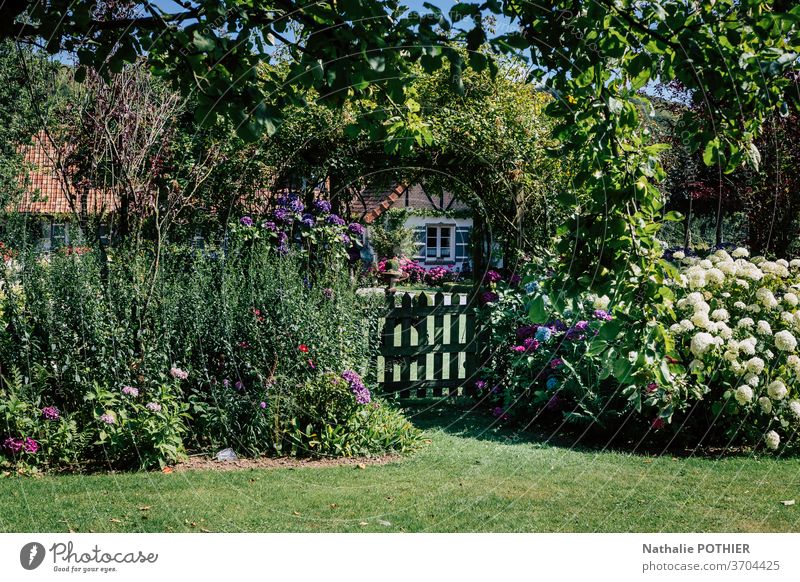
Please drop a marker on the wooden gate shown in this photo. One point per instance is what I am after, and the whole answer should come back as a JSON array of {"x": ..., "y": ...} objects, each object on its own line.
[{"x": 428, "y": 344}]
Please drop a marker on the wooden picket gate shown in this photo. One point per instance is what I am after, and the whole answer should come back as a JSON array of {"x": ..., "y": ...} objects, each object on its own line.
[{"x": 428, "y": 345}]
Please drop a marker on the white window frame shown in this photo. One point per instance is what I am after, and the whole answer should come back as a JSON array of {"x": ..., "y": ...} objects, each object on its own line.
[{"x": 451, "y": 246}]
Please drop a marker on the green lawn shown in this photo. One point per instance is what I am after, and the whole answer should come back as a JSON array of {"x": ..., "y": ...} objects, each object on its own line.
[{"x": 465, "y": 479}]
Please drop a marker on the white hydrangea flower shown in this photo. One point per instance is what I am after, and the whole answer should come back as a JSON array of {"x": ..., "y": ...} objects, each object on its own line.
[
  {"x": 731, "y": 355},
  {"x": 787, "y": 318},
  {"x": 740, "y": 252},
  {"x": 737, "y": 367},
  {"x": 720, "y": 314},
  {"x": 777, "y": 390},
  {"x": 794, "y": 263},
  {"x": 696, "y": 365},
  {"x": 755, "y": 365},
  {"x": 793, "y": 362},
  {"x": 724, "y": 331},
  {"x": 790, "y": 299},
  {"x": 742, "y": 283},
  {"x": 743, "y": 394},
  {"x": 785, "y": 341},
  {"x": 702, "y": 307},
  {"x": 794, "y": 406},
  {"x": 722, "y": 255},
  {"x": 765, "y": 404},
  {"x": 748, "y": 346},
  {"x": 740, "y": 305},
  {"x": 752, "y": 379},
  {"x": 774, "y": 268},
  {"x": 729, "y": 268},
  {"x": 754, "y": 308},
  {"x": 675, "y": 328},
  {"x": 706, "y": 264},
  {"x": 678, "y": 255},
  {"x": 715, "y": 277},
  {"x": 701, "y": 320},
  {"x": 763, "y": 327},
  {"x": 783, "y": 262},
  {"x": 772, "y": 440},
  {"x": 696, "y": 276},
  {"x": 686, "y": 325},
  {"x": 701, "y": 343}
]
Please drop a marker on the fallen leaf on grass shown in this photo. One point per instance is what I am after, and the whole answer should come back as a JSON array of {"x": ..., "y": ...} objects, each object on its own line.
[
  {"x": 383, "y": 522},
  {"x": 145, "y": 507},
  {"x": 115, "y": 520},
  {"x": 647, "y": 461},
  {"x": 204, "y": 530},
  {"x": 334, "y": 506},
  {"x": 361, "y": 466},
  {"x": 362, "y": 523},
  {"x": 167, "y": 470},
  {"x": 296, "y": 513},
  {"x": 788, "y": 502}
]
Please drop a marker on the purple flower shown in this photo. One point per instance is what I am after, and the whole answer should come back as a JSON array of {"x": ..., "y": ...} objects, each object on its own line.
[
  {"x": 652, "y": 387},
  {"x": 514, "y": 279},
  {"x": 51, "y": 413},
  {"x": 30, "y": 445},
  {"x": 226, "y": 383},
  {"x": 518, "y": 349},
  {"x": 239, "y": 385},
  {"x": 530, "y": 344},
  {"x": 282, "y": 215},
  {"x": 178, "y": 373},
  {"x": 13, "y": 445},
  {"x": 108, "y": 418},
  {"x": 322, "y": 206},
  {"x": 555, "y": 363},
  {"x": 296, "y": 205},
  {"x": 246, "y": 221},
  {"x": 308, "y": 220},
  {"x": 498, "y": 412},
  {"x": 130, "y": 391},
  {"x": 357, "y": 387},
  {"x": 480, "y": 384},
  {"x": 602, "y": 314},
  {"x": 492, "y": 276},
  {"x": 334, "y": 219},
  {"x": 154, "y": 406},
  {"x": 554, "y": 403},
  {"x": 263, "y": 405},
  {"x": 581, "y": 325},
  {"x": 525, "y": 331},
  {"x": 356, "y": 228},
  {"x": 489, "y": 297},
  {"x": 269, "y": 225}
]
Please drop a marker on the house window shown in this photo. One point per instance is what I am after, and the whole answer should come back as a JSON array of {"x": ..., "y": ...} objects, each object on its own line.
[
  {"x": 439, "y": 242},
  {"x": 58, "y": 235}
]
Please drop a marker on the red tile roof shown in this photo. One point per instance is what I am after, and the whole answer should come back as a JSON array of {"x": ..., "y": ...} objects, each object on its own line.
[{"x": 47, "y": 190}]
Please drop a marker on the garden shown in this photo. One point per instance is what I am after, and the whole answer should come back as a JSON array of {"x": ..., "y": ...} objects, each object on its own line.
[{"x": 198, "y": 301}]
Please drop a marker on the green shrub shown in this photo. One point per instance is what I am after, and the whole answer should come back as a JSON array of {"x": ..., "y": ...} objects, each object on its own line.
[{"x": 255, "y": 327}]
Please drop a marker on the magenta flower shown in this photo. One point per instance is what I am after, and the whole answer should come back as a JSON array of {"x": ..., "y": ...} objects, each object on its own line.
[
  {"x": 246, "y": 221},
  {"x": 518, "y": 349},
  {"x": 489, "y": 297},
  {"x": 652, "y": 387},
  {"x": 30, "y": 446},
  {"x": 602, "y": 314},
  {"x": 263, "y": 405},
  {"x": 492, "y": 277},
  {"x": 555, "y": 363},
  {"x": 14, "y": 446},
  {"x": 51, "y": 413}
]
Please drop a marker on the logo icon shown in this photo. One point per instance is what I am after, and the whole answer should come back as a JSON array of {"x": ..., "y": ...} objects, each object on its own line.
[{"x": 31, "y": 555}]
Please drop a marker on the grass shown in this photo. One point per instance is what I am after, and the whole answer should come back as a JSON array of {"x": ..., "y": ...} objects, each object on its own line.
[{"x": 467, "y": 478}]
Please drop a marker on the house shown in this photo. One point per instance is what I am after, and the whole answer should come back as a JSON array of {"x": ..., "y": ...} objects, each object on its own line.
[
  {"x": 442, "y": 222},
  {"x": 52, "y": 200}
]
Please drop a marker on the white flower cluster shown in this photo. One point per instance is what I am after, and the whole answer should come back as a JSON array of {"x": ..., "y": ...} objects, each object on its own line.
[{"x": 737, "y": 324}]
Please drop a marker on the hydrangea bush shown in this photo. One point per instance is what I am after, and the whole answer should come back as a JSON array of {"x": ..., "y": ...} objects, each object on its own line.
[
  {"x": 735, "y": 341},
  {"x": 730, "y": 374}
]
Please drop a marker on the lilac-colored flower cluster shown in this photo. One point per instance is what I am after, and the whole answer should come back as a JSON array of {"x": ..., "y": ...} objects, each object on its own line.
[
  {"x": 357, "y": 387},
  {"x": 335, "y": 220},
  {"x": 16, "y": 446},
  {"x": 356, "y": 229},
  {"x": 51, "y": 413},
  {"x": 108, "y": 418},
  {"x": 178, "y": 373},
  {"x": 154, "y": 406},
  {"x": 130, "y": 391},
  {"x": 489, "y": 297},
  {"x": 246, "y": 221},
  {"x": 322, "y": 206},
  {"x": 602, "y": 315}
]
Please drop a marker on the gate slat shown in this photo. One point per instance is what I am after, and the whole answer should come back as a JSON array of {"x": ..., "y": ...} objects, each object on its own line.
[{"x": 421, "y": 325}]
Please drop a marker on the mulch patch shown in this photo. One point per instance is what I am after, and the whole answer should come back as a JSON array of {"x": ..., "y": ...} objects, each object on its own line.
[{"x": 201, "y": 463}]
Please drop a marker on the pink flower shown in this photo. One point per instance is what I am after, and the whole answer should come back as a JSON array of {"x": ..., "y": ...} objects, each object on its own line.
[
  {"x": 263, "y": 405},
  {"x": 178, "y": 373},
  {"x": 130, "y": 391},
  {"x": 555, "y": 363},
  {"x": 652, "y": 387},
  {"x": 51, "y": 413}
]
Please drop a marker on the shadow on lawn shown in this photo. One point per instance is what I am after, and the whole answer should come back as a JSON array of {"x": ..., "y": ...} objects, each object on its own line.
[{"x": 462, "y": 418}]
